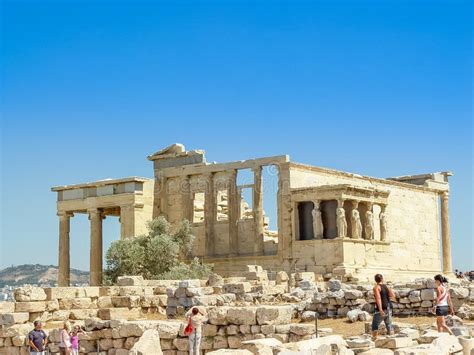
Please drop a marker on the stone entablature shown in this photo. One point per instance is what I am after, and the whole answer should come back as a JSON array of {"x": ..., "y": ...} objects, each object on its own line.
[{"x": 99, "y": 188}]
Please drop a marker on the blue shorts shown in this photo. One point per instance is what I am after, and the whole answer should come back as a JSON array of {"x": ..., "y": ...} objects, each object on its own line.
[{"x": 387, "y": 319}]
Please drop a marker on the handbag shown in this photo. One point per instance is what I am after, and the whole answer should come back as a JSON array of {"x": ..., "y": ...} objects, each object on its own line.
[{"x": 189, "y": 328}]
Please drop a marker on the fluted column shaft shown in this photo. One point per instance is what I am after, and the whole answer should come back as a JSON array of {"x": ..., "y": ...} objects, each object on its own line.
[
  {"x": 209, "y": 214},
  {"x": 446, "y": 233},
  {"x": 95, "y": 217},
  {"x": 64, "y": 263},
  {"x": 258, "y": 210},
  {"x": 233, "y": 201}
]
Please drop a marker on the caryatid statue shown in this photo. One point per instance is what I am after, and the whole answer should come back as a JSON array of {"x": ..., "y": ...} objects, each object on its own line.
[
  {"x": 356, "y": 224},
  {"x": 318, "y": 228},
  {"x": 369, "y": 224},
  {"x": 383, "y": 225},
  {"x": 341, "y": 222}
]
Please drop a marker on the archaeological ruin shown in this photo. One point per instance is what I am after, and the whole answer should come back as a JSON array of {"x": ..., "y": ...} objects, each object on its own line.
[{"x": 328, "y": 222}]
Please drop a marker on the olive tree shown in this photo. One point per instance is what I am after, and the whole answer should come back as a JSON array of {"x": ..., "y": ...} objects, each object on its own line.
[{"x": 155, "y": 255}]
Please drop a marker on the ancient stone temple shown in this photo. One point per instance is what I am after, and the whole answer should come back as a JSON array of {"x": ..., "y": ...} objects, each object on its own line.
[{"x": 328, "y": 221}]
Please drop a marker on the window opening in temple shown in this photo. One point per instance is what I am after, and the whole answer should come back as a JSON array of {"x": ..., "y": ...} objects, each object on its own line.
[
  {"x": 198, "y": 207},
  {"x": 245, "y": 185}
]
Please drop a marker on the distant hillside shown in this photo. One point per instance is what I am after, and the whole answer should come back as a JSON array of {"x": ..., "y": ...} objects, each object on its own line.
[{"x": 38, "y": 274}]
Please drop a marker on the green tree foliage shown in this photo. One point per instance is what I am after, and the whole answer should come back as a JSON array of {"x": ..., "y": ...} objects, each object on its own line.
[{"x": 155, "y": 255}]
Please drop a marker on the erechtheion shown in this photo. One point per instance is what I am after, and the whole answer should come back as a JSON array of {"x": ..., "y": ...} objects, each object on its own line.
[{"x": 328, "y": 221}]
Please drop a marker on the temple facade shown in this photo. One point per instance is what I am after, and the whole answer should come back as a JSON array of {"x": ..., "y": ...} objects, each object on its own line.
[{"x": 327, "y": 221}]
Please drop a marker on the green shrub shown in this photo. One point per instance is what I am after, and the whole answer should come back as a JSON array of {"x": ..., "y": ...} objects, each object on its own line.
[{"x": 155, "y": 255}]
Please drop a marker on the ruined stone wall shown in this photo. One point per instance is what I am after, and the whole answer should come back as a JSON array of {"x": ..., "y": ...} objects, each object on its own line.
[
  {"x": 413, "y": 227},
  {"x": 239, "y": 309}
]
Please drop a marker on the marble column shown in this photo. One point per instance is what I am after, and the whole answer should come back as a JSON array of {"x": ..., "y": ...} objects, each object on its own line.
[
  {"x": 210, "y": 214},
  {"x": 187, "y": 198},
  {"x": 233, "y": 202},
  {"x": 369, "y": 222},
  {"x": 446, "y": 233},
  {"x": 258, "y": 210},
  {"x": 383, "y": 223},
  {"x": 95, "y": 217},
  {"x": 64, "y": 263}
]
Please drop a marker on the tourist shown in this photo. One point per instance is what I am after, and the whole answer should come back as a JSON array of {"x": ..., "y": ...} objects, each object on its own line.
[
  {"x": 65, "y": 345},
  {"x": 383, "y": 306},
  {"x": 443, "y": 303},
  {"x": 37, "y": 339},
  {"x": 196, "y": 318},
  {"x": 75, "y": 340}
]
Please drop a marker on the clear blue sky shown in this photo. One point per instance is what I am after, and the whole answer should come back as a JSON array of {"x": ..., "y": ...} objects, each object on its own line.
[{"x": 90, "y": 88}]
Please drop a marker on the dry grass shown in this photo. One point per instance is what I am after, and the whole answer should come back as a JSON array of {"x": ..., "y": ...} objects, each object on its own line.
[{"x": 345, "y": 328}]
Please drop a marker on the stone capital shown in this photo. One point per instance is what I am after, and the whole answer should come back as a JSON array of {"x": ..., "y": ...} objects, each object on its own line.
[
  {"x": 64, "y": 214},
  {"x": 95, "y": 213}
]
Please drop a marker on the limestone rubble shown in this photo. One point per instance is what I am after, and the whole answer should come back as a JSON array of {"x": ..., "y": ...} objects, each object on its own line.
[{"x": 251, "y": 315}]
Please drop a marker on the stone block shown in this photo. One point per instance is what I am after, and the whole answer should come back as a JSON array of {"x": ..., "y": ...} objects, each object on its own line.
[
  {"x": 29, "y": 293},
  {"x": 91, "y": 291},
  {"x": 428, "y": 294},
  {"x": 237, "y": 288},
  {"x": 181, "y": 344},
  {"x": 130, "y": 281},
  {"x": 15, "y": 329},
  {"x": 310, "y": 346},
  {"x": 7, "y": 307},
  {"x": 149, "y": 343},
  {"x": 281, "y": 277},
  {"x": 302, "y": 329},
  {"x": 459, "y": 292},
  {"x": 118, "y": 313},
  {"x": 104, "y": 302},
  {"x": 353, "y": 294},
  {"x": 242, "y": 315},
  {"x": 429, "y": 336},
  {"x": 190, "y": 283},
  {"x": 109, "y": 291},
  {"x": 393, "y": 342},
  {"x": 19, "y": 340},
  {"x": 8, "y": 319},
  {"x": 274, "y": 314},
  {"x": 135, "y": 291},
  {"x": 218, "y": 315},
  {"x": 78, "y": 314},
  {"x": 169, "y": 329},
  {"x": 60, "y": 315},
  {"x": 63, "y": 292},
  {"x": 126, "y": 301},
  {"x": 76, "y": 303},
  {"x": 425, "y": 304},
  {"x": 52, "y": 305},
  {"x": 220, "y": 342},
  {"x": 35, "y": 306}
]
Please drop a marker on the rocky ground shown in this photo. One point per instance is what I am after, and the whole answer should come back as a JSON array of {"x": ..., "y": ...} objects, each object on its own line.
[{"x": 247, "y": 315}]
